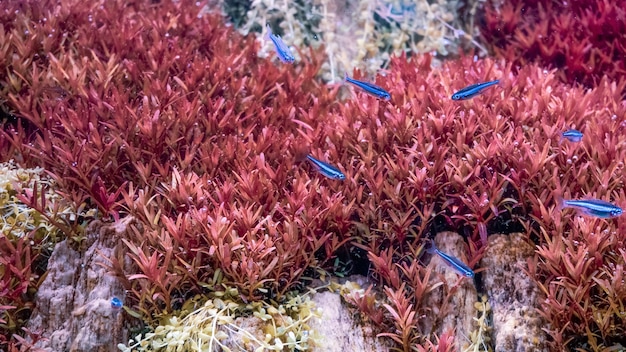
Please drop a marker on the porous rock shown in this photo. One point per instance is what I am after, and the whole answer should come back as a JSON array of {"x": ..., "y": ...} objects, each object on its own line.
[
  {"x": 339, "y": 329},
  {"x": 73, "y": 305},
  {"x": 513, "y": 296}
]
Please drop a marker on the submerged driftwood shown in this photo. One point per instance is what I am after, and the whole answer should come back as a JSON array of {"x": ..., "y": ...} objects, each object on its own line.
[{"x": 340, "y": 329}]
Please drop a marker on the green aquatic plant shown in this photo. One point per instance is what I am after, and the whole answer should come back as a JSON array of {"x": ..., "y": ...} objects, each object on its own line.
[
  {"x": 27, "y": 236},
  {"x": 206, "y": 326},
  {"x": 17, "y": 218},
  {"x": 480, "y": 338},
  {"x": 362, "y": 34}
]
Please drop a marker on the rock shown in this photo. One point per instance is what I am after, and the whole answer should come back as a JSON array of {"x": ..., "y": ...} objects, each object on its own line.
[
  {"x": 338, "y": 328},
  {"x": 73, "y": 305},
  {"x": 453, "y": 302},
  {"x": 513, "y": 296}
]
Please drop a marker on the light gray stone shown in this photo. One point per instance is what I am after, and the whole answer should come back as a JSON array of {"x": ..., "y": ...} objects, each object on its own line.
[
  {"x": 513, "y": 296},
  {"x": 73, "y": 305},
  {"x": 339, "y": 329}
]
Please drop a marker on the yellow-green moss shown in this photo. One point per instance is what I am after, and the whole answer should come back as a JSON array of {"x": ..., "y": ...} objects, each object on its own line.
[
  {"x": 16, "y": 218},
  {"x": 280, "y": 327}
]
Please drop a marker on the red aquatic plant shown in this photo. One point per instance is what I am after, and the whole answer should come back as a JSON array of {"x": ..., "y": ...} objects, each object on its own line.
[
  {"x": 581, "y": 274},
  {"x": 161, "y": 113},
  {"x": 489, "y": 164},
  {"x": 584, "y": 39},
  {"x": 17, "y": 283},
  {"x": 205, "y": 162}
]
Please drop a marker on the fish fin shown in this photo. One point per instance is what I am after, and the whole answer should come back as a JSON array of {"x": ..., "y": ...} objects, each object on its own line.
[{"x": 269, "y": 31}]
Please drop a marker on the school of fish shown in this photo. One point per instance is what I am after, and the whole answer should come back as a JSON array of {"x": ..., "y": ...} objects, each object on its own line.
[{"x": 589, "y": 206}]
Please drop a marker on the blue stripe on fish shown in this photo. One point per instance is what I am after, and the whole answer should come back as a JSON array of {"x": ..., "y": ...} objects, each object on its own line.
[
  {"x": 282, "y": 50},
  {"x": 593, "y": 207},
  {"x": 326, "y": 169},
  {"x": 369, "y": 88},
  {"x": 473, "y": 90},
  {"x": 455, "y": 263}
]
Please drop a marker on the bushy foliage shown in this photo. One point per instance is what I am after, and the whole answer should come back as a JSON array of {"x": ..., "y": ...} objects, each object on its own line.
[
  {"x": 193, "y": 135},
  {"x": 584, "y": 39},
  {"x": 362, "y": 34},
  {"x": 27, "y": 235},
  {"x": 155, "y": 111}
]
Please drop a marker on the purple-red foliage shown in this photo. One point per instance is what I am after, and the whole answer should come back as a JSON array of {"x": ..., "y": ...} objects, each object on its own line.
[
  {"x": 153, "y": 111},
  {"x": 489, "y": 164},
  {"x": 16, "y": 284},
  {"x": 584, "y": 39},
  {"x": 580, "y": 269}
]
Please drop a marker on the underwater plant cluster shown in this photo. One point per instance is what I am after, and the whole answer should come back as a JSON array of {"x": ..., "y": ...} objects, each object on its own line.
[
  {"x": 160, "y": 112},
  {"x": 583, "y": 39},
  {"x": 360, "y": 34}
]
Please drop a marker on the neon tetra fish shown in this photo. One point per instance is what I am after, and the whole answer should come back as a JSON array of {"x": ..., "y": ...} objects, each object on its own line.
[
  {"x": 282, "y": 50},
  {"x": 473, "y": 90},
  {"x": 451, "y": 261},
  {"x": 369, "y": 88},
  {"x": 116, "y": 303},
  {"x": 326, "y": 169},
  {"x": 572, "y": 136},
  {"x": 592, "y": 207}
]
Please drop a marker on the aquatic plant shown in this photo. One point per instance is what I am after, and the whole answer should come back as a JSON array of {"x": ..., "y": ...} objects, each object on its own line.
[
  {"x": 26, "y": 238},
  {"x": 361, "y": 34},
  {"x": 162, "y": 113},
  {"x": 580, "y": 270},
  {"x": 583, "y": 39},
  {"x": 479, "y": 339},
  {"x": 129, "y": 127},
  {"x": 205, "y": 323},
  {"x": 367, "y": 304}
]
